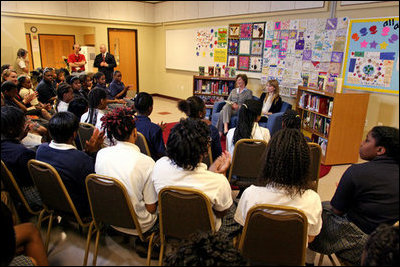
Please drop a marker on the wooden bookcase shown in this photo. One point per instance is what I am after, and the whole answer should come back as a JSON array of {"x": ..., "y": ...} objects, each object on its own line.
[
  {"x": 212, "y": 89},
  {"x": 333, "y": 120}
]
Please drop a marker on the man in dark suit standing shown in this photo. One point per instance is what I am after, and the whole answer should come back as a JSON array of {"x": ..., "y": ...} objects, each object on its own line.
[{"x": 105, "y": 62}]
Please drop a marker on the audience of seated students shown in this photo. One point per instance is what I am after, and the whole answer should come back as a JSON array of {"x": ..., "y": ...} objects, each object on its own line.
[
  {"x": 205, "y": 249},
  {"x": 21, "y": 244},
  {"x": 117, "y": 88},
  {"x": 36, "y": 77},
  {"x": 187, "y": 144},
  {"x": 21, "y": 64},
  {"x": 86, "y": 82},
  {"x": 46, "y": 90},
  {"x": 65, "y": 95},
  {"x": 25, "y": 89},
  {"x": 14, "y": 154},
  {"x": 194, "y": 107},
  {"x": 60, "y": 76},
  {"x": 99, "y": 81},
  {"x": 97, "y": 107},
  {"x": 367, "y": 195},
  {"x": 285, "y": 181},
  {"x": 271, "y": 100},
  {"x": 247, "y": 126},
  {"x": 134, "y": 171},
  {"x": 73, "y": 165},
  {"x": 235, "y": 100},
  {"x": 151, "y": 131},
  {"x": 78, "y": 106},
  {"x": 382, "y": 247}
]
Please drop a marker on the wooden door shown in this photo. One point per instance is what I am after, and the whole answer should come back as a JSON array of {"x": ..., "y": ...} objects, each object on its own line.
[
  {"x": 53, "y": 48},
  {"x": 122, "y": 44},
  {"x": 29, "y": 48}
]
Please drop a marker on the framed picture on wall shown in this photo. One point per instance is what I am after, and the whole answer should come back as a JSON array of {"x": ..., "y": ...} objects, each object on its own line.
[
  {"x": 234, "y": 30},
  {"x": 258, "y": 30}
]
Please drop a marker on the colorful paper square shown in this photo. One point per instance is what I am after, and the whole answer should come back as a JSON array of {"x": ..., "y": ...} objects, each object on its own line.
[
  {"x": 258, "y": 30},
  {"x": 246, "y": 30},
  {"x": 256, "y": 47},
  {"x": 331, "y": 24},
  {"x": 234, "y": 30},
  {"x": 233, "y": 46},
  {"x": 255, "y": 64},
  {"x": 337, "y": 57},
  {"x": 232, "y": 61},
  {"x": 244, "y": 47},
  {"x": 243, "y": 63}
]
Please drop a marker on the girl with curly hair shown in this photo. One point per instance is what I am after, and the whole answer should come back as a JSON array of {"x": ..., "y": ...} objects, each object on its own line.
[
  {"x": 124, "y": 162},
  {"x": 285, "y": 180}
]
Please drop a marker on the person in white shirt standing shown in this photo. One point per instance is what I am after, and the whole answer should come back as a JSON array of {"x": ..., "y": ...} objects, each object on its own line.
[
  {"x": 125, "y": 162},
  {"x": 187, "y": 144}
]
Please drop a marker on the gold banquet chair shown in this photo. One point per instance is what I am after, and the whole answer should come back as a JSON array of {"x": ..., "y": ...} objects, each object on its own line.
[
  {"x": 316, "y": 156},
  {"x": 183, "y": 211},
  {"x": 141, "y": 142},
  {"x": 110, "y": 204},
  {"x": 85, "y": 132},
  {"x": 274, "y": 239},
  {"x": 55, "y": 197}
]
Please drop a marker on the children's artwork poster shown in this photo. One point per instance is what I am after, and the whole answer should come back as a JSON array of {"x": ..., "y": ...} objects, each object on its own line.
[
  {"x": 372, "y": 55},
  {"x": 304, "y": 47},
  {"x": 212, "y": 44},
  {"x": 246, "y": 46},
  {"x": 220, "y": 55}
]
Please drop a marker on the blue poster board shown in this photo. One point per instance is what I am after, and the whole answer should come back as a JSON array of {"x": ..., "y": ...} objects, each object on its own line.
[{"x": 372, "y": 55}]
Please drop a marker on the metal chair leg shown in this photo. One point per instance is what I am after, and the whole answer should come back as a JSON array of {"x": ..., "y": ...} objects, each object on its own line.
[
  {"x": 162, "y": 241},
  {"x": 150, "y": 248},
  {"x": 46, "y": 246},
  {"x": 96, "y": 246},
  {"x": 89, "y": 237}
]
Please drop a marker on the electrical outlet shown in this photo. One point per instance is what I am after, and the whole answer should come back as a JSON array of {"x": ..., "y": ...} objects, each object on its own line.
[{"x": 380, "y": 123}]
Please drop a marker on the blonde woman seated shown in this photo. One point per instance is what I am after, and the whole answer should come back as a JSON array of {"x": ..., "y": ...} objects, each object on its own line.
[
  {"x": 272, "y": 102},
  {"x": 247, "y": 127}
]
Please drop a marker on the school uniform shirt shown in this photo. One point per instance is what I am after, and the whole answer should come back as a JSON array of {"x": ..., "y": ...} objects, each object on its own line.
[
  {"x": 125, "y": 163},
  {"x": 214, "y": 185},
  {"x": 62, "y": 106},
  {"x": 117, "y": 87},
  {"x": 257, "y": 133},
  {"x": 73, "y": 166},
  {"x": 309, "y": 202},
  {"x": 100, "y": 114},
  {"x": 24, "y": 91},
  {"x": 153, "y": 134}
]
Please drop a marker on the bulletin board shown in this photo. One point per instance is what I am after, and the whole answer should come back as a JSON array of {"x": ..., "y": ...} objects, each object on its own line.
[
  {"x": 187, "y": 49},
  {"x": 372, "y": 55}
]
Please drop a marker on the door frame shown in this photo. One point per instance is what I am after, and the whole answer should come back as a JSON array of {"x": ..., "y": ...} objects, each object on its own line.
[
  {"x": 40, "y": 50},
  {"x": 30, "y": 50},
  {"x": 136, "y": 50}
]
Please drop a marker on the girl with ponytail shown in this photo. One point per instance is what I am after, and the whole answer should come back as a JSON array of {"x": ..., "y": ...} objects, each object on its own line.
[{"x": 247, "y": 127}]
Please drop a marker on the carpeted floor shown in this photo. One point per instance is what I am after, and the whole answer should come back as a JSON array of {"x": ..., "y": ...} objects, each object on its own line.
[{"x": 324, "y": 169}]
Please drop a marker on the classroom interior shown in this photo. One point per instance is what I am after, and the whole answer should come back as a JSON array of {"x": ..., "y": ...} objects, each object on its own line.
[{"x": 90, "y": 23}]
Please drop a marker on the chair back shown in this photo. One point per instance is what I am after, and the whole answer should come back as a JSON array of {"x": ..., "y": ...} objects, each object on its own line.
[
  {"x": 110, "y": 203},
  {"x": 85, "y": 132},
  {"x": 247, "y": 159},
  {"x": 208, "y": 160},
  {"x": 141, "y": 142},
  {"x": 52, "y": 190},
  {"x": 12, "y": 187},
  {"x": 183, "y": 211},
  {"x": 316, "y": 156},
  {"x": 274, "y": 239}
]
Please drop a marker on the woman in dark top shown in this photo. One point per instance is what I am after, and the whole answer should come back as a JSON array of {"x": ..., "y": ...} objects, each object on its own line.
[
  {"x": 194, "y": 107},
  {"x": 272, "y": 102}
]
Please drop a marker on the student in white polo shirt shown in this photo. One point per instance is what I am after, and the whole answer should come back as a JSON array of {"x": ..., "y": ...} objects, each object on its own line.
[
  {"x": 187, "y": 143},
  {"x": 123, "y": 161}
]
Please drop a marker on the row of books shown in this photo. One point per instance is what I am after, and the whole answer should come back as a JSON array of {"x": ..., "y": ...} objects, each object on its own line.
[
  {"x": 316, "y": 122},
  {"x": 213, "y": 87},
  {"x": 317, "y": 103},
  {"x": 210, "y": 100}
]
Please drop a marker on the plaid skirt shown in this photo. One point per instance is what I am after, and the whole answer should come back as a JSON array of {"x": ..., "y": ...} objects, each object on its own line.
[
  {"x": 21, "y": 260},
  {"x": 229, "y": 226},
  {"x": 32, "y": 197},
  {"x": 339, "y": 236}
]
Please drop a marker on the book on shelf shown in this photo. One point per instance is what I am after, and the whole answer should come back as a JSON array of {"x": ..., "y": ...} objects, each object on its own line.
[
  {"x": 211, "y": 70},
  {"x": 322, "y": 142},
  {"x": 218, "y": 71},
  {"x": 201, "y": 70},
  {"x": 321, "y": 82},
  {"x": 330, "y": 108},
  {"x": 305, "y": 78},
  {"x": 326, "y": 126}
]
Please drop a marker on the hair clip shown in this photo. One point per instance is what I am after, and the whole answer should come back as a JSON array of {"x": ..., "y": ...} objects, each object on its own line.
[{"x": 245, "y": 106}]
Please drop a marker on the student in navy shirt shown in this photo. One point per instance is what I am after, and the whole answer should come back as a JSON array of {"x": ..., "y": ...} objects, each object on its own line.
[
  {"x": 73, "y": 165},
  {"x": 194, "y": 107},
  {"x": 151, "y": 131},
  {"x": 117, "y": 88},
  {"x": 15, "y": 155}
]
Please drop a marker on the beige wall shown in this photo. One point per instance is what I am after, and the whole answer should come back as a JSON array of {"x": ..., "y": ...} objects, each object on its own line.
[{"x": 154, "y": 78}]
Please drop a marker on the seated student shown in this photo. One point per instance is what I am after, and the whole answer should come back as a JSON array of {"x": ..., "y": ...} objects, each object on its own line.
[
  {"x": 78, "y": 106},
  {"x": 205, "y": 249},
  {"x": 151, "y": 131},
  {"x": 382, "y": 247},
  {"x": 285, "y": 181},
  {"x": 15, "y": 155},
  {"x": 194, "y": 107},
  {"x": 22, "y": 238},
  {"x": 46, "y": 89},
  {"x": 118, "y": 89},
  {"x": 367, "y": 195},
  {"x": 75, "y": 83},
  {"x": 99, "y": 81},
  {"x": 97, "y": 107},
  {"x": 247, "y": 127},
  {"x": 9, "y": 75},
  {"x": 187, "y": 144},
  {"x": 86, "y": 81},
  {"x": 271, "y": 100},
  {"x": 64, "y": 96},
  {"x": 60, "y": 76},
  {"x": 72, "y": 165},
  {"x": 291, "y": 119},
  {"x": 123, "y": 161}
]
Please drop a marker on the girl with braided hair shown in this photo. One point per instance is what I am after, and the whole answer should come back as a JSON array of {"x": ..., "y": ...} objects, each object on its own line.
[
  {"x": 97, "y": 107},
  {"x": 247, "y": 127},
  {"x": 194, "y": 107},
  {"x": 285, "y": 180},
  {"x": 124, "y": 162},
  {"x": 187, "y": 143}
]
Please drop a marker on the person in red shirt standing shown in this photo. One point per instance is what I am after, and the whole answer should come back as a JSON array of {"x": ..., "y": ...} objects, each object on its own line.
[{"x": 76, "y": 60}]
